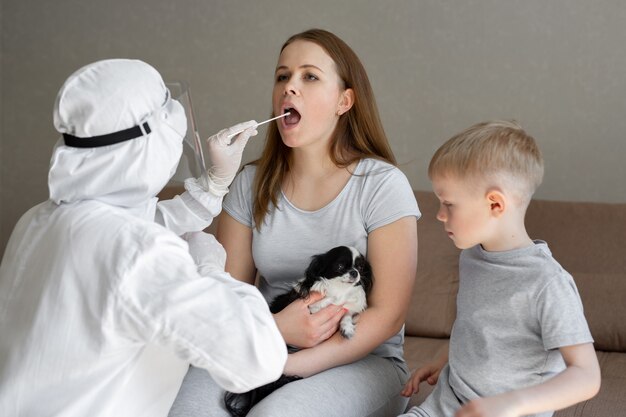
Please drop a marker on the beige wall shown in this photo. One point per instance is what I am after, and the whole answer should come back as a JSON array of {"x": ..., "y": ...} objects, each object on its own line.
[{"x": 436, "y": 67}]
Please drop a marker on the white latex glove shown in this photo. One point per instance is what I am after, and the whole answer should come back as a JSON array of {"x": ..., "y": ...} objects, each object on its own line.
[{"x": 225, "y": 153}]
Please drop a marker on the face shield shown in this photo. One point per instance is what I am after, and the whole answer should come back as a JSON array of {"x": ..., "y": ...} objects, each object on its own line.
[{"x": 192, "y": 162}]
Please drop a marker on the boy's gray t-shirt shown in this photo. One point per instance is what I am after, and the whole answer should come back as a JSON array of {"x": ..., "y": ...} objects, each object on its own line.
[
  {"x": 514, "y": 310},
  {"x": 376, "y": 194}
]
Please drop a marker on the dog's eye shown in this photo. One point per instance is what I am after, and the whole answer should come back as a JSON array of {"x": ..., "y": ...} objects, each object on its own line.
[{"x": 340, "y": 267}]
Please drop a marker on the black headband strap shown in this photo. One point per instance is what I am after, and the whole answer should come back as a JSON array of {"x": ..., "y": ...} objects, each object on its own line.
[{"x": 108, "y": 139}]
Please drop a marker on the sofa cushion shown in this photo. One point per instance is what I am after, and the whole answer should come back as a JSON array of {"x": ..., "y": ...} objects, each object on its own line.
[
  {"x": 603, "y": 300},
  {"x": 433, "y": 304},
  {"x": 419, "y": 351},
  {"x": 583, "y": 237}
]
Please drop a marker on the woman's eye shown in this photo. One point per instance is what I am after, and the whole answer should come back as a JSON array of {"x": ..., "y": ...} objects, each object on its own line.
[
  {"x": 311, "y": 77},
  {"x": 281, "y": 77}
]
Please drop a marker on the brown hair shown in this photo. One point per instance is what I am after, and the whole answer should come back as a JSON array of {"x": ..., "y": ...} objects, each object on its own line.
[
  {"x": 359, "y": 132},
  {"x": 492, "y": 151}
]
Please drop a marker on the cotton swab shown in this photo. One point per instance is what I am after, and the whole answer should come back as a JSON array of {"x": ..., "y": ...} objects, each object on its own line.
[{"x": 259, "y": 124}]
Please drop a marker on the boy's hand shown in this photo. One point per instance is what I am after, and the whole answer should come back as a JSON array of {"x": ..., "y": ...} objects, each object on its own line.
[
  {"x": 429, "y": 373},
  {"x": 497, "y": 406}
]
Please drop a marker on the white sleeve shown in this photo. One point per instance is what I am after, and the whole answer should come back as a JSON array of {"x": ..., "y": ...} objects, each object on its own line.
[
  {"x": 209, "y": 319},
  {"x": 192, "y": 211}
]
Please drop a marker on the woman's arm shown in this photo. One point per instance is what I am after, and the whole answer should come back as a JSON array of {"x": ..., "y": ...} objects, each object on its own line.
[
  {"x": 236, "y": 239},
  {"x": 578, "y": 382},
  {"x": 392, "y": 252}
]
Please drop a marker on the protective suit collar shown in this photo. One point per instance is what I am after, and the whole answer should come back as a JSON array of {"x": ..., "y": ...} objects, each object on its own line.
[{"x": 107, "y": 97}]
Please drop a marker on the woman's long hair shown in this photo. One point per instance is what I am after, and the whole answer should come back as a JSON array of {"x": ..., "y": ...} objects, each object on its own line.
[{"x": 359, "y": 132}]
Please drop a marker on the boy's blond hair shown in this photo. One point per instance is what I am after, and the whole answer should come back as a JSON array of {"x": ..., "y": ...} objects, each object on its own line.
[{"x": 499, "y": 153}]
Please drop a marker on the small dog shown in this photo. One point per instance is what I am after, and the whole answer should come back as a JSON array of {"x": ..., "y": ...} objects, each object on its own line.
[{"x": 345, "y": 278}]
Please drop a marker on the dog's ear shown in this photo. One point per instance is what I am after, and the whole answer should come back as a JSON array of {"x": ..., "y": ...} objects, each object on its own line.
[
  {"x": 368, "y": 282},
  {"x": 315, "y": 267},
  {"x": 311, "y": 275}
]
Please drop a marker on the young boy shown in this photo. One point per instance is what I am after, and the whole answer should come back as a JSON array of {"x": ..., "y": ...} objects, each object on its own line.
[{"x": 520, "y": 344}]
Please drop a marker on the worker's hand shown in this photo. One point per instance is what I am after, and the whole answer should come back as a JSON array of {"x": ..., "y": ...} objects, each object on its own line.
[
  {"x": 302, "y": 329},
  {"x": 429, "y": 373},
  {"x": 225, "y": 153}
]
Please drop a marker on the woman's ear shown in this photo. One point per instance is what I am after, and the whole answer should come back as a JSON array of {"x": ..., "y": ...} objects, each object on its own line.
[
  {"x": 497, "y": 202},
  {"x": 345, "y": 101}
]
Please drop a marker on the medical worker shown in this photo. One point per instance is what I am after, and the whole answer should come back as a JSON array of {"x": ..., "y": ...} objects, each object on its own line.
[{"x": 102, "y": 309}]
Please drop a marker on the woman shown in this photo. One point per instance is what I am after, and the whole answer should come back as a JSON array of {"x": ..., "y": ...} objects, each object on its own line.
[{"x": 326, "y": 178}]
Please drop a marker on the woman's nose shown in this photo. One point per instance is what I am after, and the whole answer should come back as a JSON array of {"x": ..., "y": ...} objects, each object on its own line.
[{"x": 290, "y": 88}]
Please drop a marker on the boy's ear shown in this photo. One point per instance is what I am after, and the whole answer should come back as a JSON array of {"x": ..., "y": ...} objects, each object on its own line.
[
  {"x": 496, "y": 201},
  {"x": 346, "y": 101}
]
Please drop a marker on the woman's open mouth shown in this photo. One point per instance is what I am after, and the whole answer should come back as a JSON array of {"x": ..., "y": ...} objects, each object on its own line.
[{"x": 293, "y": 118}]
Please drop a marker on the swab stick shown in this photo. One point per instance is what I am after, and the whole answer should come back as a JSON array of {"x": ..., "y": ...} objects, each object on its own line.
[{"x": 259, "y": 124}]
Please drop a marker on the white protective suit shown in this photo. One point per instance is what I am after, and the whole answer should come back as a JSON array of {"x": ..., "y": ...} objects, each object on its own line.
[{"x": 101, "y": 308}]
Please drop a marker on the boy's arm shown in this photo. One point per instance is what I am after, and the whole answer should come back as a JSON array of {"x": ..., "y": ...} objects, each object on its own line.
[{"x": 578, "y": 382}]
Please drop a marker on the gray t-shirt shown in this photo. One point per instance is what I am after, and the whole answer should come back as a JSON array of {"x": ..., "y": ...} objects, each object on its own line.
[
  {"x": 376, "y": 195},
  {"x": 514, "y": 310}
]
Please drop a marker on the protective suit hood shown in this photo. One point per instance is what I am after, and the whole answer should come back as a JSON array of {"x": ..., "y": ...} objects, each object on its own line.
[{"x": 109, "y": 97}]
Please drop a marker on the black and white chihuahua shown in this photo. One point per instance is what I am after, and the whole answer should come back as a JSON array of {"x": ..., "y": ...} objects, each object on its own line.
[{"x": 345, "y": 279}]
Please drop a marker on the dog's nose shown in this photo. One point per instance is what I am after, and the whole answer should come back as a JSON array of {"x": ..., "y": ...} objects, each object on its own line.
[{"x": 354, "y": 273}]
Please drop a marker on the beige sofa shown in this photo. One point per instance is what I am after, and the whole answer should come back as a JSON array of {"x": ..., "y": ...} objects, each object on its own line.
[{"x": 588, "y": 239}]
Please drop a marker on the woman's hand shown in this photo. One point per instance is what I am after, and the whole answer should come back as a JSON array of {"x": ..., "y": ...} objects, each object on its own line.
[{"x": 302, "y": 329}]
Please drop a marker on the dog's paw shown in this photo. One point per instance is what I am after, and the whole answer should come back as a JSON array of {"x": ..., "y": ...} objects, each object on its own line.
[{"x": 347, "y": 327}]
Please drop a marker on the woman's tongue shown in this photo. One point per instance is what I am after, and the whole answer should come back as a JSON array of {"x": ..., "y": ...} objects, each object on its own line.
[{"x": 293, "y": 118}]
